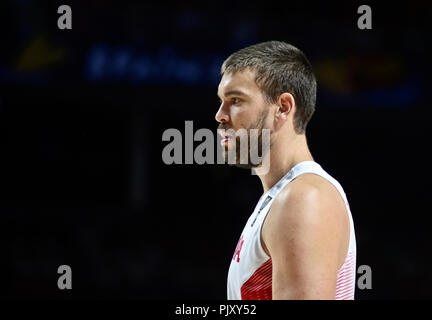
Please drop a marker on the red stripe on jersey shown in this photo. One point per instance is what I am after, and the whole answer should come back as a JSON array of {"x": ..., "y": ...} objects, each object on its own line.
[
  {"x": 259, "y": 285},
  {"x": 346, "y": 280}
]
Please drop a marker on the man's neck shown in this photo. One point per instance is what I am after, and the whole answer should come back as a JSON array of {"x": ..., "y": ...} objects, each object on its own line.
[{"x": 284, "y": 155}]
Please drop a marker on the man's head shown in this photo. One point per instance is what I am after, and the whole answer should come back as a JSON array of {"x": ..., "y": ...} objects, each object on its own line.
[{"x": 265, "y": 85}]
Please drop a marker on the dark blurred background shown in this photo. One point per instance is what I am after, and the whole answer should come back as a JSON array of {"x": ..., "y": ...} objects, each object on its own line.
[{"x": 82, "y": 113}]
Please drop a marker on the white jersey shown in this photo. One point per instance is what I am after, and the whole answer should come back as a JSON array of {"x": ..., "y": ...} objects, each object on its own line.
[{"x": 250, "y": 272}]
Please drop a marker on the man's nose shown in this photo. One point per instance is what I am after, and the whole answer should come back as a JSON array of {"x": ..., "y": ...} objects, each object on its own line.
[{"x": 222, "y": 114}]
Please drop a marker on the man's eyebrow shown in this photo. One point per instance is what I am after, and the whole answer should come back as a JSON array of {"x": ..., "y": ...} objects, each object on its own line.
[{"x": 234, "y": 93}]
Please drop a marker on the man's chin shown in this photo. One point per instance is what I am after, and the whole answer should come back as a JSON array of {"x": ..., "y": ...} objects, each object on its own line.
[
  {"x": 237, "y": 163},
  {"x": 243, "y": 166},
  {"x": 249, "y": 165}
]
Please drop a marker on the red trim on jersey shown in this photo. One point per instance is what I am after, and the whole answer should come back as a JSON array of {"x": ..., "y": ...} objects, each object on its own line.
[{"x": 259, "y": 285}]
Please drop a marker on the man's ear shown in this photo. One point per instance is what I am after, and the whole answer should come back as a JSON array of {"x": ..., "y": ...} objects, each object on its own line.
[{"x": 286, "y": 105}]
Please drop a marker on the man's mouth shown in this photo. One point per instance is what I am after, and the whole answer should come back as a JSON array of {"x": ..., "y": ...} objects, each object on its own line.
[
  {"x": 224, "y": 136},
  {"x": 225, "y": 140}
]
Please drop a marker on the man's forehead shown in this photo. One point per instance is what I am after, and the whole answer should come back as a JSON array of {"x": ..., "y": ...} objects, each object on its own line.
[{"x": 243, "y": 80}]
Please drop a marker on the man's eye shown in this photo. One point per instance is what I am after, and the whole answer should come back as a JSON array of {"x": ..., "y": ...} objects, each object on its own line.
[{"x": 235, "y": 100}]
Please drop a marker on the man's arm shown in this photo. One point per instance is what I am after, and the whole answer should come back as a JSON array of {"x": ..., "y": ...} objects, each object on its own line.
[{"x": 306, "y": 235}]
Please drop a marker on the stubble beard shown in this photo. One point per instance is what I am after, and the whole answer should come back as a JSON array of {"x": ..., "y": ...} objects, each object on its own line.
[{"x": 258, "y": 147}]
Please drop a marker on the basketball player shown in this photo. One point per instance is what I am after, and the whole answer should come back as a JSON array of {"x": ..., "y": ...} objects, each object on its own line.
[{"x": 299, "y": 242}]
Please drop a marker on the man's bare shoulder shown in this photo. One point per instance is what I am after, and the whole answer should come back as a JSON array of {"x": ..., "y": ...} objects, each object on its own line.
[
  {"x": 309, "y": 206},
  {"x": 306, "y": 233},
  {"x": 310, "y": 190}
]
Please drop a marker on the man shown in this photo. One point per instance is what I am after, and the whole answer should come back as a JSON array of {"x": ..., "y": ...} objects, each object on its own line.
[{"x": 299, "y": 243}]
